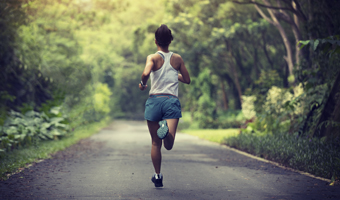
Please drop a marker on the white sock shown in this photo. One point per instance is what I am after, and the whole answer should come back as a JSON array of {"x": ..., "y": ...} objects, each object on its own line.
[{"x": 158, "y": 176}]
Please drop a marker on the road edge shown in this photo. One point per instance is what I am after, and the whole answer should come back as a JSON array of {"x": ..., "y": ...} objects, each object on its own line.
[{"x": 266, "y": 161}]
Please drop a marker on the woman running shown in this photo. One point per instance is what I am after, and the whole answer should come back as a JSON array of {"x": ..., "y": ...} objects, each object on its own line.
[{"x": 163, "y": 109}]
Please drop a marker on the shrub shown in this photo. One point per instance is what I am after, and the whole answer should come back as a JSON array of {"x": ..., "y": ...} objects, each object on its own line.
[
  {"x": 29, "y": 128},
  {"x": 283, "y": 110},
  {"x": 315, "y": 156},
  {"x": 102, "y": 99},
  {"x": 248, "y": 108}
]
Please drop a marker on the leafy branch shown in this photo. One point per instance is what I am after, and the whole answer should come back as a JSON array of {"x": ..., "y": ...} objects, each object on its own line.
[{"x": 329, "y": 45}]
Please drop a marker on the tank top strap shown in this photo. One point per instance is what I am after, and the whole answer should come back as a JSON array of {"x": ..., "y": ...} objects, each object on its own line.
[
  {"x": 165, "y": 56},
  {"x": 168, "y": 56},
  {"x": 161, "y": 54}
]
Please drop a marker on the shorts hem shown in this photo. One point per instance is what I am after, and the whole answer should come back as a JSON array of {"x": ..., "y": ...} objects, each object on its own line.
[
  {"x": 172, "y": 118},
  {"x": 149, "y": 120},
  {"x": 163, "y": 119}
]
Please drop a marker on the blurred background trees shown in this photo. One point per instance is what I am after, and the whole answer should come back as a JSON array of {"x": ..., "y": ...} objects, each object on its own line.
[
  {"x": 254, "y": 49},
  {"x": 280, "y": 58}
]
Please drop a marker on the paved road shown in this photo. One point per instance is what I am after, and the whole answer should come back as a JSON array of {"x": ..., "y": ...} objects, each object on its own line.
[{"x": 115, "y": 164}]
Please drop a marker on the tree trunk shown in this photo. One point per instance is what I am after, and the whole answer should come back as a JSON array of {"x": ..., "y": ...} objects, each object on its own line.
[
  {"x": 265, "y": 50},
  {"x": 256, "y": 63},
  {"x": 276, "y": 23},
  {"x": 235, "y": 76},
  {"x": 333, "y": 131},
  {"x": 238, "y": 59},
  {"x": 297, "y": 35},
  {"x": 294, "y": 25},
  {"x": 233, "y": 70},
  {"x": 330, "y": 112},
  {"x": 232, "y": 85},
  {"x": 224, "y": 95}
]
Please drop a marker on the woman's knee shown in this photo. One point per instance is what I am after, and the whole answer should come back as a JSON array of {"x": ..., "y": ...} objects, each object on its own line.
[
  {"x": 168, "y": 144},
  {"x": 168, "y": 147},
  {"x": 157, "y": 143}
]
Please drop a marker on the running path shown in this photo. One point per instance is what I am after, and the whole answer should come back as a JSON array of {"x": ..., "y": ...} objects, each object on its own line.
[{"x": 116, "y": 164}]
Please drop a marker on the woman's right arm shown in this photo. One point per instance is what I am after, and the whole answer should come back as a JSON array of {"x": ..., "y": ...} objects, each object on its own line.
[{"x": 184, "y": 77}]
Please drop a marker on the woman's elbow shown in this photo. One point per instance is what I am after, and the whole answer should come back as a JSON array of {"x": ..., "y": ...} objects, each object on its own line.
[{"x": 145, "y": 75}]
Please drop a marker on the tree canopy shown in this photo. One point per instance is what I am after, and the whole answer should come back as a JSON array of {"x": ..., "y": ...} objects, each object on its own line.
[{"x": 87, "y": 55}]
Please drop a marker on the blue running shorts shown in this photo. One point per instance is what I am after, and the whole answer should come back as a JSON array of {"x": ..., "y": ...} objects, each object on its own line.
[{"x": 162, "y": 106}]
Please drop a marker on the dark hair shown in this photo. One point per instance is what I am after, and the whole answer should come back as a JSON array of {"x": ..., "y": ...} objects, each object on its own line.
[{"x": 163, "y": 36}]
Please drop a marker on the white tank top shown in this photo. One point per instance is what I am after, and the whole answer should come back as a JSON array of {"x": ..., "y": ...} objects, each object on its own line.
[{"x": 165, "y": 79}]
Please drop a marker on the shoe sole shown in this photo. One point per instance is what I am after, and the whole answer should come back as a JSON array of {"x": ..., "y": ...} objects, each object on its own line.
[{"x": 163, "y": 130}]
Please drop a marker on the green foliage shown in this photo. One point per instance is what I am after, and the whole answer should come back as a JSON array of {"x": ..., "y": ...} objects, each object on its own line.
[
  {"x": 266, "y": 80},
  {"x": 213, "y": 135},
  {"x": 20, "y": 158},
  {"x": 230, "y": 119},
  {"x": 224, "y": 120},
  {"x": 87, "y": 57},
  {"x": 102, "y": 99},
  {"x": 202, "y": 105},
  {"x": 30, "y": 128},
  {"x": 49, "y": 44},
  {"x": 267, "y": 104},
  {"x": 284, "y": 113},
  {"x": 275, "y": 110},
  {"x": 318, "y": 80},
  {"x": 312, "y": 101},
  {"x": 328, "y": 46},
  {"x": 248, "y": 108},
  {"x": 284, "y": 110},
  {"x": 69, "y": 50},
  {"x": 326, "y": 56},
  {"x": 21, "y": 84},
  {"x": 57, "y": 100},
  {"x": 315, "y": 156},
  {"x": 128, "y": 101}
]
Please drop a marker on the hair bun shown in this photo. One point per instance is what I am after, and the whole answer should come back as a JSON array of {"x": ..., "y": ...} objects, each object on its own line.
[{"x": 163, "y": 35}]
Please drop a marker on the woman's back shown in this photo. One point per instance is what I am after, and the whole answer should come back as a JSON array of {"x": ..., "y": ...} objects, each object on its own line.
[
  {"x": 175, "y": 61},
  {"x": 164, "y": 75}
]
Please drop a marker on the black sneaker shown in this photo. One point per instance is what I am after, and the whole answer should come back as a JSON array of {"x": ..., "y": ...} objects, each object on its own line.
[
  {"x": 157, "y": 181},
  {"x": 163, "y": 130}
]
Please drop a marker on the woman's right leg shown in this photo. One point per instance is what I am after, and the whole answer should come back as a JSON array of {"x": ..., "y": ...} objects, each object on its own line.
[
  {"x": 170, "y": 139},
  {"x": 156, "y": 155}
]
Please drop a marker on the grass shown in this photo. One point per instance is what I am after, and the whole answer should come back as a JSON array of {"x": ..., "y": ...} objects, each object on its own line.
[
  {"x": 20, "y": 158},
  {"x": 312, "y": 155},
  {"x": 213, "y": 135}
]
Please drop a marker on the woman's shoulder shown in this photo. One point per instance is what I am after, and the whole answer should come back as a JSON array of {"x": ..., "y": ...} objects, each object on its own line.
[
  {"x": 177, "y": 56},
  {"x": 176, "y": 61},
  {"x": 154, "y": 57}
]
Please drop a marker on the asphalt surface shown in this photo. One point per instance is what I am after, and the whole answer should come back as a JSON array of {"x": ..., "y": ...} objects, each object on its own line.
[{"x": 116, "y": 164}]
